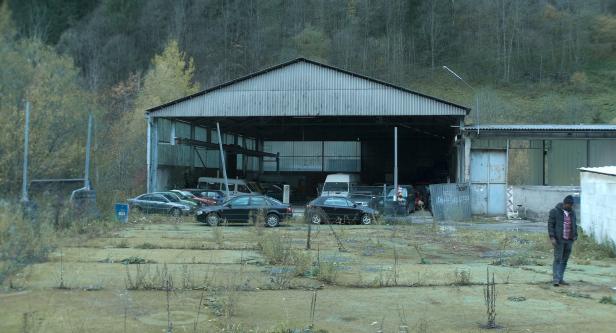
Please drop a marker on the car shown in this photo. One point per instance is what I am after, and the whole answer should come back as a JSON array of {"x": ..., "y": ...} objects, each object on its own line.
[
  {"x": 363, "y": 198},
  {"x": 244, "y": 209},
  {"x": 186, "y": 195},
  {"x": 236, "y": 186},
  {"x": 398, "y": 202},
  {"x": 158, "y": 203},
  {"x": 338, "y": 210},
  {"x": 217, "y": 197},
  {"x": 176, "y": 198}
]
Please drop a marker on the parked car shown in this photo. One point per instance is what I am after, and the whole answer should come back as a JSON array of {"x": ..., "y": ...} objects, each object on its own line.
[
  {"x": 217, "y": 197},
  {"x": 400, "y": 202},
  {"x": 244, "y": 209},
  {"x": 158, "y": 203},
  {"x": 338, "y": 210},
  {"x": 176, "y": 198},
  {"x": 272, "y": 190},
  {"x": 363, "y": 198},
  {"x": 236, "y": 186},
  {"x": 186, "y": 195}
]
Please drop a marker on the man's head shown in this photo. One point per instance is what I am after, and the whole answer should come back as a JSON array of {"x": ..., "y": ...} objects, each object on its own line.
[{"x": 568, "y": 203}]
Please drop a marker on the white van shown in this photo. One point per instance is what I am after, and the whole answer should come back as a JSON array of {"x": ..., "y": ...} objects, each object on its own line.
[
  {"x": 236, "y": 186},
  {"x": 339, "y": 185}
]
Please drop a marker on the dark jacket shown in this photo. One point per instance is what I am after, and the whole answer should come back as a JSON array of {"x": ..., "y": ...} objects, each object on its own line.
[{"x": 556, "y": 220}]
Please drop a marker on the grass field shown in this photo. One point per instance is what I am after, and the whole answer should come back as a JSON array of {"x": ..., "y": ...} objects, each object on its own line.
[{"x": 149, "y": 277}]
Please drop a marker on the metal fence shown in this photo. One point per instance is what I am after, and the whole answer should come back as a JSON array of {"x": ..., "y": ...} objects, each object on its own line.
[{"x": 450, "y": 201}]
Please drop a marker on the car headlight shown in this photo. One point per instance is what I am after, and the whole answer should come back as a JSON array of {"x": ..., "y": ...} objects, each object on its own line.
[
  {"x": 186, "y": 208},
  {"x": 199, "y": 212}
]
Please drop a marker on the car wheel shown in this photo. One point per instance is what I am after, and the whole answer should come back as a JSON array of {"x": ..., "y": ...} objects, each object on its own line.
[
  {"x": 316, "y": 218},
  {"x": 175, "y": 212},
  {"x": 212, "y": 219},
  {"x": 366, "y": 219},
  {"x": 272, "y": 220}
]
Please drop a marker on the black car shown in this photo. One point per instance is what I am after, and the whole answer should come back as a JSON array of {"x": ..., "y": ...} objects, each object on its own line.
[
  {"x": 158, "y": 203},
  {"x": 363, "y": 198},
  {"x": 244, "y": 209},
  {"x": 338, "y": 210},
  {"x": 401, "y": 202}
]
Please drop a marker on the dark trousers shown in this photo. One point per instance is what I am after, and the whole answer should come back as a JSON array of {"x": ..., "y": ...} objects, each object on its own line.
[{"x": 562, "y": 250}]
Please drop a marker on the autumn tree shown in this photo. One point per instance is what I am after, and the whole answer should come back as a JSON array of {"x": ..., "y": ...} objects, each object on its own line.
[{"x": 169, "y": 78}]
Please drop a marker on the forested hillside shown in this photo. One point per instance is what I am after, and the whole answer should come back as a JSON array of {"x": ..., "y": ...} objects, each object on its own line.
[{"x": 545, "y": 61}]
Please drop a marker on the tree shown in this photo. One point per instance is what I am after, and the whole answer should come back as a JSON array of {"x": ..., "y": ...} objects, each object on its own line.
[
  {"x": 169, "y": 78},
  {"x": 33, "y": 71}
]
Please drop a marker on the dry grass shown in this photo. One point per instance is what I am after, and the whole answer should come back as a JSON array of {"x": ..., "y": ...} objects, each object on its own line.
[{"x": 23, "y": 241}]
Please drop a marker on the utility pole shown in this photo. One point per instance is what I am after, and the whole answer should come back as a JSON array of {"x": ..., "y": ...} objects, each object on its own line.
[
  {"x": 24, "y": 181},
  {"x": 86, "y": 176},
  {"x": 474, "y": 92},
  {"x": 222, "y": 159},
  {"x": 395, "y": 163}
]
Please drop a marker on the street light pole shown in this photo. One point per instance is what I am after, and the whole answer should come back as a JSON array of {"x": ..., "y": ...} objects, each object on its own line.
[
  {"x": 24, "y": 181},
  {"x": 474, "y": 92}
]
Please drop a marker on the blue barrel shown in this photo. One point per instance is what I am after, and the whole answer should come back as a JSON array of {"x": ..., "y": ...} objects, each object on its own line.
[{"x": 121, "y": 212}]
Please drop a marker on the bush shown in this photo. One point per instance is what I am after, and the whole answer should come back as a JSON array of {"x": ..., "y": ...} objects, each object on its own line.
[
  {"x": 22, "y": 241},
  {"x": 587, "y": 248}
]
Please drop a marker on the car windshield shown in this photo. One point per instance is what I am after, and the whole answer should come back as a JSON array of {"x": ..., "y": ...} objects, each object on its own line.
[
  {"x": 336, "y": 186},
  {"x": 404, "y": 192},
  {"x": 186, "y": 194},
  {"x": 172, "y": 197}
]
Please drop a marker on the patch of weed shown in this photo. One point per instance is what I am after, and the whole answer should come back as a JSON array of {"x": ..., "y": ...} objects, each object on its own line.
[{"x": 147, "y": 246}]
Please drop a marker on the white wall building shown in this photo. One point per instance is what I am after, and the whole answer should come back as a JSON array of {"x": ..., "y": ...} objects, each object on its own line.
[{"x": 598, "y": 198}]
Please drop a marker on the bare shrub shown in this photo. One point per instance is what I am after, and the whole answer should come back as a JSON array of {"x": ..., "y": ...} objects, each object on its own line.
[
  {"x": 23, "y": 241},
  {"x": 462, "y": 277}
]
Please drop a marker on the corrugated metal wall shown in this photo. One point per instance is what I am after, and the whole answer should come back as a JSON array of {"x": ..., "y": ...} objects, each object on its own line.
[
  {"x": 450, "y": 202},
  {"x": 329, "y": 156},
  {"x": 563, "y": 157},
  {"x": 305, "y": 89}
]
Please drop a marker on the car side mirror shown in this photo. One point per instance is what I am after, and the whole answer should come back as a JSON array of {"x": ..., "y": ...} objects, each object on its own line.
[{"x": 354, "y": 205}]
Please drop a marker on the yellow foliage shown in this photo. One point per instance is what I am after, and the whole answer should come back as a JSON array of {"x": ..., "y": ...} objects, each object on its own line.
[
  {"x": 59, "y": 106},
  {"x": 169, "y": 78}
]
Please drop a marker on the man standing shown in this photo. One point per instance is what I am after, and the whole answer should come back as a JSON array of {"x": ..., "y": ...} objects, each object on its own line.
[{"x": 562, "y": 228}]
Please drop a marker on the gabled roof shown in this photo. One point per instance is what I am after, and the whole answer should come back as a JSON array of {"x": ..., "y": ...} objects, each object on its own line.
[{"x": 344, "y": 95}]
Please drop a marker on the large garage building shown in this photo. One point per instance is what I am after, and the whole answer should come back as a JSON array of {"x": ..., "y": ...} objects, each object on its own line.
[{"x": 299, "y": 121}]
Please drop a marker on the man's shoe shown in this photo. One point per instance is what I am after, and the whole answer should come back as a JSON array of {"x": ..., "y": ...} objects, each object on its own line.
[
  {"x": 564, "y": 283},
  {"x": 556, "y": 284}
]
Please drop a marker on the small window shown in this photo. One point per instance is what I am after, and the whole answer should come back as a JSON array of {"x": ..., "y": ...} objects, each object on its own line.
[
  {"x": 241, "y": 201},
  {"x": 259, "y": 202},
  {"x": 145, "y": 197}
]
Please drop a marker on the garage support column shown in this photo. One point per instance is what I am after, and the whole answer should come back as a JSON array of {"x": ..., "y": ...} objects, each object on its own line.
[
  {"x": 152, "y": 153},
  {"x": 467, "y": 159}
]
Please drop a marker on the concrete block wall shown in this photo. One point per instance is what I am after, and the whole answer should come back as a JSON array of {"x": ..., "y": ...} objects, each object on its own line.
[
  {"x": 536, "y": 201},
  {"x": 598, "y": 209}
]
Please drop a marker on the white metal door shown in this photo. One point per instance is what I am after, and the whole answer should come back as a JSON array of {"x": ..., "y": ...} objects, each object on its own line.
[{"x": 488, "y": 182}]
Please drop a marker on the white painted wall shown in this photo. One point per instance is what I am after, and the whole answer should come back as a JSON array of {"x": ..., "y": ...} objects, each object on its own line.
[
  {"x": 537, "y": 201},
  {"x": 598, "y": 215}
]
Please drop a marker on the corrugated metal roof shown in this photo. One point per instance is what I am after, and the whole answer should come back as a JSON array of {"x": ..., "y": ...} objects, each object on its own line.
[
  {"x": 526, "y": 127},
  {"x": 307, "y": 88},
  {"x": 605, "y": 170}
]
